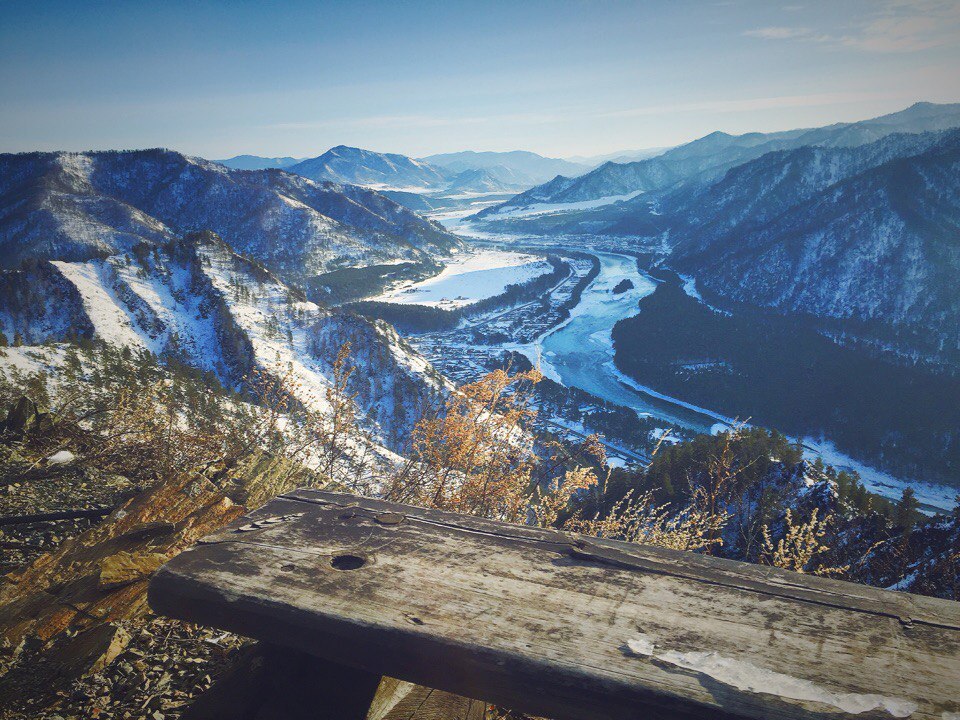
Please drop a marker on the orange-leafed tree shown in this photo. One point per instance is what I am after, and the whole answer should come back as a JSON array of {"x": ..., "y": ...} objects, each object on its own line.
[{"x": 475, "y": 455}]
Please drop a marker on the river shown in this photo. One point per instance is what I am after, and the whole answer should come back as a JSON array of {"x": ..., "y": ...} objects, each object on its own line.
[{"x": 579, "y": 353}]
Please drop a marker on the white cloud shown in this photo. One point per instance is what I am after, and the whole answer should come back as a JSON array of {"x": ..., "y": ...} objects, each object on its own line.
[
  {"x": 896, "y": 26},
  {"x": 778, "y": 33}
]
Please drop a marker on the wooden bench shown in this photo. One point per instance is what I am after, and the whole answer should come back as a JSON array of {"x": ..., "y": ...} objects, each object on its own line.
[{"x": 560, "y": 625}]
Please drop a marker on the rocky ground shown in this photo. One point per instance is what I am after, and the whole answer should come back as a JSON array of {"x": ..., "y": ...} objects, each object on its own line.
[
  {"x": 163, "y": 665},
  {"x": 77, "y": 639},
  {"x": 83, "y": 494}
]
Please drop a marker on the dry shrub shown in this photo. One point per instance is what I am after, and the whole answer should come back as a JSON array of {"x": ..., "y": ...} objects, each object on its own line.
[
  {"x": 799, "y": 547},
  {"x": 637, "y": 519},
  {"x": 324, "y": 436},
  {"x": 551, "y": 501},
  {"x": 477, "y": 455},
  {"x": 126, "y": 414}
]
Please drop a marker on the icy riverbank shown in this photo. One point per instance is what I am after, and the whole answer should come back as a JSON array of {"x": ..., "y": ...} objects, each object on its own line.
[{"x": 468, "y": 278}]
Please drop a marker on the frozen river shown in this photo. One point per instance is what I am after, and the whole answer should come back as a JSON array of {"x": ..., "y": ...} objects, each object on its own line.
[{"x": 579, "y": 353}]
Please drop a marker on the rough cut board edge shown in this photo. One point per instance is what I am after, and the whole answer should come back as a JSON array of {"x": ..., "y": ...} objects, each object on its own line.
[
  {"x": 906, "y": 607},
  {"x": 184, "y": 597}
]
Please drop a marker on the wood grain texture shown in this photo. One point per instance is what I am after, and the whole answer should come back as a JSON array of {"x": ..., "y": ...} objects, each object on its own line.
[
  {"x": 564, "y": 626},
  {"x": 400, "y": 700}
]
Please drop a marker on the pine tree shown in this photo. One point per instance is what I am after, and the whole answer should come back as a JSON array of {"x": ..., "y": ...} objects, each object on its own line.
[
  {"x": 906, "y": 510},
  {"x": 72, "y": 364}
]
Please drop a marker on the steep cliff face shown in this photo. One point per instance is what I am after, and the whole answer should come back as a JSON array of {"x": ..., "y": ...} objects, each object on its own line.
[{"x": 81, "y": 206}]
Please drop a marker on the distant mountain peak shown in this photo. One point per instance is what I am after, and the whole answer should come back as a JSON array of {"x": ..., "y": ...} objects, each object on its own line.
[
  {"x": 516, "y": 168},
  {"x": 359, "y": 166}
]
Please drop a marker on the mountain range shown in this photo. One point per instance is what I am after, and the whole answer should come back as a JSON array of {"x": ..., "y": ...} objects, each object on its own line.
[
  {"x": 869, "y": 234},
  {"x": 622, "y": 156},
  {"x": 195, "y": 301},
  {"x": 256, "y": 162},
  {"x": 79, "y": 206},
  {"x": 468, "y": 171},
  {"x": 709, "y": 157},
  {"x": 365, "y": 167},
  {"x": 518, "y": 168},
  {"x": 856, "y": 225}
]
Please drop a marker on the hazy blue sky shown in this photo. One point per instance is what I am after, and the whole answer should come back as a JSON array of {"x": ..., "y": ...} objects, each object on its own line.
[{"x": 560, "y": 78}]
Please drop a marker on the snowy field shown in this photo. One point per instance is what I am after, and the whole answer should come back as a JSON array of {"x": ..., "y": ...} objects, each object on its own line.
[
  {"x": 457, "y": 214},
  {"x": 468, "y": 278}
]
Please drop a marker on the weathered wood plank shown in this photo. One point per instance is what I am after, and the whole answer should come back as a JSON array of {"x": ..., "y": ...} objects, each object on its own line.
[{"x": 563, "y": 626}]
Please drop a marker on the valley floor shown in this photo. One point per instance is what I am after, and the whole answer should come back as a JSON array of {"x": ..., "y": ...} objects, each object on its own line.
[{"x": 576, "y": 351}]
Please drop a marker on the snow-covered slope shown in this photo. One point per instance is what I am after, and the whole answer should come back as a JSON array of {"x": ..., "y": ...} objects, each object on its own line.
[
  {"x": 760, "y": 190},
  {"x": 485, "y": 180},
  {"x": 38, "y": 303},
  {"x": 196, "y": 301},
  {"x": 81, "y": 206},
  {"x": 878, "y": 246},
  {"x": 256, "y": 162},
  {"x": 517, "y": 167}
]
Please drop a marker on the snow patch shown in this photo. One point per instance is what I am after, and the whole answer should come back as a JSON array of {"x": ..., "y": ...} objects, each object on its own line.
[
  {"x": 724, "y": 424},
  {"x": 552, "y": 208},
  {"x": 752, "y": 678},
  {"x": 641, "y": 645},
  {"x": 105, "y": 311},
  {"x": 877, "y": 481},
  {"x": 690, "y": 286},
  {"x": 61, "y": 457}
]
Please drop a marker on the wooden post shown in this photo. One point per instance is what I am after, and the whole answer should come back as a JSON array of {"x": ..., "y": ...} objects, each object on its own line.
[{"x": 399, "y": 700}]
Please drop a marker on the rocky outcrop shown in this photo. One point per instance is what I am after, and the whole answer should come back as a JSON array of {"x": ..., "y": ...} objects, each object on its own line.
[{"x": 68, "y": 606}]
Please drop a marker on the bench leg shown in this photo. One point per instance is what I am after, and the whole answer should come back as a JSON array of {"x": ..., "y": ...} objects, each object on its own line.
[
  {"x": 274, "y": 683},
  {"x": 399, "y": 700}
]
